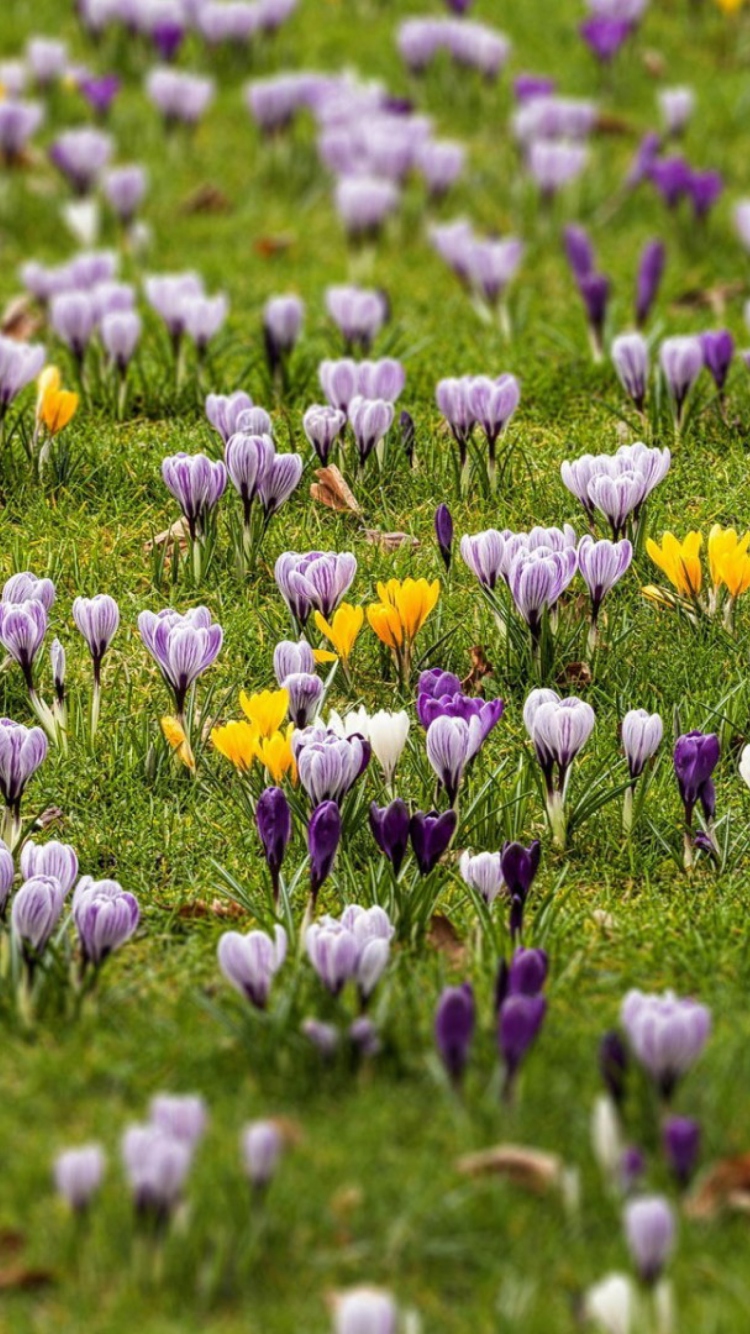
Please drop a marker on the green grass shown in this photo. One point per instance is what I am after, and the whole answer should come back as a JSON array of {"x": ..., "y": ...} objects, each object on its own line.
[{"x": 371, "y": 1191}]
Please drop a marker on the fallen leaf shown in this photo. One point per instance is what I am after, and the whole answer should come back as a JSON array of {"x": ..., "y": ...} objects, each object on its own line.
[
  {"x": 575, "y": 674},
  {"x": 198, "y": 908},
  {"x": 20, "y": 319},
  {"x": 267, "y": 246},
  {"x": 443, "y": 937},
  {"x": 605, "y": 920},
  {"x": 609, "y": 124},
  {"x": 725, "y": 1185},
  {"x": 21, "y": 1278},
  {"x": 480, "y": 667},
  {"x": 533, "y": 1169},
  {"x": 390, "y": 541},
  {"x": 330, "y": 489},
  {"x": 206, "y": 199},
  {"x": 710, "y": 298},
  {"x": 11, "y": 1240},
  {"x": 179, "y": 532},
  {"x": 52, "y": 815},
  {"x": 290, "y": 1129},
  {"x": 654, "y": 64}
]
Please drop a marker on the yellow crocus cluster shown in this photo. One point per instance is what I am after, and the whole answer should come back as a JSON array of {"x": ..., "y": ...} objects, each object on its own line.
[
  {"x": 55, "y": 406},
  {"x": 728, "y": 566},
  {"x": 400, "y": 613},
  {"x": 342, "y": 629},
  {"x": 259, "y": 736},
  {"x": 730, "y": 6}
]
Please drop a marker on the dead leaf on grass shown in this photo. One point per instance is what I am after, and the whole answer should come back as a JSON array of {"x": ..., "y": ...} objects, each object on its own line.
[
  {"x": 20, "y": 319},
  {"x": 22, "y": 1278},
  {"x": 178, "y": 532},
  {"x": 443, "y": 937},
  {"x": 207, "y": 198},
  {"x": 390, "y": 541},
  {"x": 330, "y": 489},
  {"x": 534, "y": 1169},
  {"x": 725, "y": 1185}
]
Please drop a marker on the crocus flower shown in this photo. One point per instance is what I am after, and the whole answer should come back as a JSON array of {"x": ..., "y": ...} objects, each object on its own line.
[
  {"x": 390, "y": 829},
  {"x": 354, "y": 948},
  {"x": 680, "y": 561},
  {"x": 105, "y": 917},
  {"x": 73, "y": 317},
  {"x": 290, "y": 658},
  {"x": 78, "y": 1175},
  {"x": 328, "y": 765},
  {"x": 648, "y": 281},
  {"x": 342, "y": 630},
  {"x": 180, "y": 97},
  {"x": 483, "y": 873},
  {"x": 8, "y": 874},
  {"x": 559, "y": 729},
  {"x": 97, "y": 619},
  {"x": 225, "y": 410},
  {"x": 492, "y": 404},
  {"x": 20, "y": 364},
  {"x": 718, "y": 350},
  {"x": 364, "y": 204},
  {"x": 630, "y": 358},
  {"x": 55, "y": 406},
  {"x": 316, "y": 581},
  {"x": 359, "y": 314},
  {"x": 518, "y": 867},
  {"x": 450, "y": 746},
  {"x": 22, "y": 751},
  {"x": 519, "y": 1021},
  {"x": 370, "y": 420},
  {"x": 704, "y": 188},
  {"x": 184, "y": 1116},
  {"x": 365, "y": 1311},
  {"x": 484, "y": 554},
  {"x": 197, "y": 483},
  {"x": 120, "y": 332},
  {"x": 604, "y": 36},
  {"x": 81, "y": 155},
  {"x": 305, "y": 695},
  {"x": 444, "y": 533},
  {"x": 387, "y": 735},
  {"x": 323, "y": 426},
  {"x": 430, "y": 835},
  {"x": 251, "y": 962},
  {"x": 23, "y": 626},
  {"x": 323, "y": 838},
  {"x": 35, "y": 912},
  {"x": 274, "y": 820},
  {"x": 19, "y": 120},
  {"x": 579, "y": 252},
  {"x": 681, "y": 1137},
  {"x": 54, "y": 859},
  {"x": 261, "y": 1143},
  {"x": 282, "y": 324},
  {"x": 696, "y": 755},
  {"x": 602, "y": 565},
  {"x": 182, "y": 646},
  {"x": 124, "y": 189},
  {"x": 642, "y": 733},
  {"x": 671, "y": 177},
  {"x": 399, "y": 615},
  {"x": 156, "y": 1165},
  {"x": 666, "y": 1035},
  {"x": 454, "y": 401},
  {"x": 650, "y": 1235},
  {"x": 676, "y": 106},
  {"x": 681, "y": 361},
  {"x": 454, "y": 1028},
  {"x": 613, "y": 1065},
  {"x": 610, "y": 1304}
]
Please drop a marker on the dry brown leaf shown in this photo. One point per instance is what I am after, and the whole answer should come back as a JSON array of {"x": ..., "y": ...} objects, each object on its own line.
[
  {"x": 52, "y": 815},
  {"x": 480, "y": 667},
  {"x": 710, "y": 298},
  {"x": 330, "y": 489},
  {"x": 267, "y": 246},
  {"x": 198, "y": 908},
  {"x": 207, "y": 198},
  {"x": 12, "y": 1241},
  {"x": 654, "y": 64},
  {"x": 291, "y": 1130},
  {"x": 609, "y": 124},
  {"x": 576, "y": 674},
  {"x": 390, "y": 541},
  {"x": 605, "y": 920},
  {"x": 533, "y": 1169},
  {"x": 179, "y": 532},
  {"x": 23, "y": 1278},
  {"x": 726, "y": 1185},
  {"x": 443, "y": 937},
  {"x": 20, "y": 319}
]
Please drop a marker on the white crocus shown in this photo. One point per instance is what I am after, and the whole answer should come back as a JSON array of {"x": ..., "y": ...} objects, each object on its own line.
[
  {"x": 388, "y": 733},
  {"x": 356, "y": 721},
  {"x": 610, "y": 1304},
  {"x": 745, "y": 765},
  {"x": 606, "y": 1138}
]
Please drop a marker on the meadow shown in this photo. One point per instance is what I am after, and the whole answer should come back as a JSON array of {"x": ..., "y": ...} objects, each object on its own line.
[{"x": 370, "y": 1188}]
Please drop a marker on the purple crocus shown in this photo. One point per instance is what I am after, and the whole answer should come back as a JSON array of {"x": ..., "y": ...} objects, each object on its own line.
[
  {"x": 282, "y": 324},
  {"x": 650, "y": 1234},
  {"x": 630, "y": 358},
  {"x": 100, "y": 93},
  {"x": 451, "y": 743},
  {"x": 579, "y": 252},
  {"x": 224, "y": 411},
  {"x": 718, "y": 350},
  {"x": 182, "y": 646},
  {"x": 181, "y": 98},
  {"x": 681, "y": 1138},
  {"x": 35, "y": 912},
  {"x": 328, "y": 765},
  {"x": 184, "y": 1116},
  {"x": 124, "y": 189},
  {"x": 156, "y": 1166},
  {"x": 642, "y": 734},
  {"x": 20, "y": 364},
  {"x": 292, "y": 659},
  {"x": 120, "y": 332},
  {"x": 323, "y": 838},
  {"x": 613, "y": 1065},
  {"x": 81, "y": 155},
  {"x": 305, "y": 695},
  {"x": 537, "y": 578},
  {"x": 455, "y": 1019},
  {"x": 73, "y": 317},
  {"x": 604, "y": 36},
  {"x": 648, "y": 281},
  {"x": 280, "y": 479},
  {"x": 248, "y": 458},
  {"x": 602, "y": 565},
  {"x": 431, "y": 835},
  {"x": 358, "y": 313},
  {"x": 671, "y": 176},
  {"x": 274, "y": 821},
  {"x": 384, "y": 378},
  {"x": 696, "y": 755},
  {"x": 197, "y": 484},
  {"x": 317, "y": 581},
  {"x": 261, "y": 1143},
  {"x": 26, "y": 587},
  {"x": 454, "y": 401},
  {"x": 484, "y": 554},
  {"x": 97, "y": 619},
  {"x": 22, "y": 751},
  {"x": 105, "y": 917},
  {"x": 19, "y": 120},
  {"x": 444, "y": 534},
  {"x": 251, "y": 962},
  {"x": 704, "y": 188},
  {"x": 518, "y": 866},
  {"x": 595, "y": 291},
  {"x": 339, "y": 381},
  {"x": 665, "y": 1034},
  {"x": 370, "y": 420},
  {"x": 518, "y": 1025},
  {"x": 492, "y": 404},
  {"x": 390, "y": 829},
  {"x": 7, "y": 876},
  {"x": 323, "y": 426},
  {"x": 54, "y": 859},
  {"x": 78, "y": 1175},
  {"x": 23, "y": 626}
]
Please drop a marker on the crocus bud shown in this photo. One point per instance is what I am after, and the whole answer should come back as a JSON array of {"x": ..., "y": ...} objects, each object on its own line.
[
  {"x": 35, "y": 913},
  {"x": 650, "y": 270},
  {"x": 7, "y": 874},
  {"x": 364, "y": 1037},
  {"x": 650, "y": 1234},
  {"x": 718, "y": 350},
  {"x": 630, "y": 359},
  {"x": 444, "y": 533},
  {"x": 454, "y": 1028},
  {"x": 323, "y": 426},
  {"x": 528, "y": 972},
  {"x": 182, "y": 1116},
  {"x": 641, "y": 737},
  {"x": 632, "y": 1168},
  {"x": 251, "y": 962},
  {"x": 519, "y": 866},
  {"x": 78, "y": 1175},
  {"x": 430, "y": 836},
  {"x": 681, "y": 360},
  {"x": 696, "y": 755},
  {"x": 365, "y": 1311},
  {"x": 156, "y": 1165},
  {"x": 274, "y": 820},
  {"x": 390, "y": 829},
  {"x": 387, "y": 733},
  {"x": 55, "y": 859},
  {"x": 519, "y": 1022},
  {"x": 610, "y": 1304},
  {"x": 105, "y": 915},
  {"x": 681, "y": 1138},
  {"x": 323, "y": 836},
  {"x": 613, "y": 1065},
  {"x": 261, "y": 1145},
  {"x": 57, "y": 658},
  {"x": 323, "y": 1036}
]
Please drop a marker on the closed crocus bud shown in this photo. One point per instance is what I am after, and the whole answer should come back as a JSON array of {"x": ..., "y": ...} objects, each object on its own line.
[
  {"x": 444, "y": 533},
  {"x": 631, "y": 361},
  {"x": 274, "y": 820},
  {"x": 681, "y": 1137},
  {"x": 282, "y": 323},
  {"x": 325, "y": 1037},
  {"x": 610, "y": 1305},
  {"x": 364, "y": 1038},
  {"x": 184, "y": 1116},
  {"x": 54, "y": 859},
  {"x": 323, "y": 426},
  {"x": 57, "y": 658},
  {"x": 291, "y": 659},
  {"x": 454, "y": 1028},
  {"x": 78, "y": 1175},
  {"x": 519, "y": 1022},
  {"x": 681, "y": 362},
  {"x": 120, "y": 332},
  {"x": 278, "y": 482},
  {"x": 650, "y": 1235},
  {"x": 519, "y": 866},
  {"x": 648, "y": 281},
  {"x": 528, "y": 972},
  {"x": 156, "y": 1166},
  {"x": 97, "y": 619},
  {"x": 390, "y": 829},
  {"x": 431, "y": 835},
  {"x": 323, "y": 837},
  {"x": 613, "y": 1065},
  {"x": 7, "y": 875},
  {"x": 718, "y": 350},
  {"x": 261, "y": 1144},
  {"x": 408, "y": 435},
  {"x": 365, "y": 1311},
  {"x": 642, "y": 734},
  {"x": 305, "y": 695},
  {"x": 105, "y": 915},
  {"x": 370, "y": 420},
  {"x": 482, "y": 873},
  {"x": 387, "y": 736},
  {"x": 666, "y": 1035},
  {"x": 696, "y": 755},
  {"x": 578, "y": 251},
  {"x": 251, "y": 962},
  {"x": 35, "y": 913}
]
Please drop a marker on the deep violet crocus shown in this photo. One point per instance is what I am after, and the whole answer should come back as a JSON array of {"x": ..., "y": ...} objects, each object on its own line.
[
  {"x": 613, "y": 1065},
  {"x": 518, "y": 1025},
  {"x": 604, "y": 36},
  {"x": 430, "y": 836},
  {"x": 455, "y": 1020},
  {"x": 390, "y": 829},
  {"x": 518, "y": 866},
  {"x": 444, "y": 534},
  {"x": 273, "y": 818},
  {"x": 323, "y": 838},
  {"x": 696, "y": 755},
  {"x": 648, "y": 281},
  {"x": 681, "y": 1138},
  {"x": 718, "y": 350}
]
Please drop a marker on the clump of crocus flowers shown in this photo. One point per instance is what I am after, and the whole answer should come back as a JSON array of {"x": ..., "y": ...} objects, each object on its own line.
[
  {"x": 398, "y": 616},
  {"x": 680, "y": 561}
]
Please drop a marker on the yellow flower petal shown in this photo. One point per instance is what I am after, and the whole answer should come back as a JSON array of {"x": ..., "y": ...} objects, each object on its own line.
[
  {"x": 237, "y": 742},
  {"x": 176, "y": 737},
  {"x": 343, "y": 629},
  {"x": 266, "y": 709}
]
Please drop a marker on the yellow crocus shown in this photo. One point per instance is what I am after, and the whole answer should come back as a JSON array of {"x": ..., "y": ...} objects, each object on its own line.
[
  {"x": 386, "y": 622},
  {"x": 237, "y": 742},
  {"x": 724, "y": 544},
  {"x": 730, "y": 6},
  {"x": 266, "y": 709},
  {"x": 680, "y": 561},
  {"x": 413, "y": 599},
  {"x": 275, "y": 753},
  {"x": 343, "y": 628},
  {"x": 55, "y": 406},
  {"x": 176, "y": 737}
]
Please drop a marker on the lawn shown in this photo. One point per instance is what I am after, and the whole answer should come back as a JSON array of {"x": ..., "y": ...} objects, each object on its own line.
[{"x": 368, "y": 1189}]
